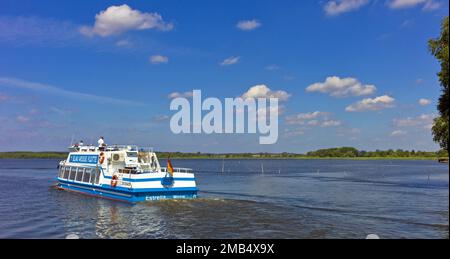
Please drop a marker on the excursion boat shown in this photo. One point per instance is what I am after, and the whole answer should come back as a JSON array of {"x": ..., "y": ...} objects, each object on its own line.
[{"x": 124, "y": 172}]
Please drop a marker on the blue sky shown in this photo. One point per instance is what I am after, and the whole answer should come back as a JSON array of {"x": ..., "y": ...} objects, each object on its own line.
[{"x": 68, "y": 71}]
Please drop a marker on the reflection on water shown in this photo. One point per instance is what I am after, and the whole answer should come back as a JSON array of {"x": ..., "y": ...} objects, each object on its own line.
[
  {"x": 290, "y": 199},
  {"x": 197, "y": 218}
]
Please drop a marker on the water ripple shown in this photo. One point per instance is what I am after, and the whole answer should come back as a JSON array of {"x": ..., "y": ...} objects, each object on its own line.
[{"x": 291, "y": 199}]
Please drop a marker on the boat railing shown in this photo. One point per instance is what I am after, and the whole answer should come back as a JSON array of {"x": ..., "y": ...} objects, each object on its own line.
[
  {"x": 127, "y": 171},
  {"x": 114, "y": 147},
  {"x": 83, "y": 148},
  {"x": 177, "y": 170}
]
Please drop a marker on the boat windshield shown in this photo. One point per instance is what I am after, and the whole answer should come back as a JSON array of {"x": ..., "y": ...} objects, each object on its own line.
[{"x": 132, "y": 154}]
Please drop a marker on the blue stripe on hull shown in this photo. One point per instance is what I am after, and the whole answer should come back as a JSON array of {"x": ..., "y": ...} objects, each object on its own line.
[
  {"x": 128, "y": 190},
  {"x": 155, "y": 194},
  {"x": 137, "y": 180},
  {"x": 151, "y": 179}
]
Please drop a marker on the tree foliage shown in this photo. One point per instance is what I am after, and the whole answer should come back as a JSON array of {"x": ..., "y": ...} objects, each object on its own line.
[
  {"x": 439, "y": 48},
  {"x": 349, "y": 152},
  {"x": 440, "y": 131},
  {"x": 335, "y": 152}
]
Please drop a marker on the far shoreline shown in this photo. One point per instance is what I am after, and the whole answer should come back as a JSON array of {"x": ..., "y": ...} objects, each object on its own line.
[{"x": 163, "y": 155}]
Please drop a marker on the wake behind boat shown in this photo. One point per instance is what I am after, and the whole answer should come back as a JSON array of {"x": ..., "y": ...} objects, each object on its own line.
[{"x": 124, "y": 172}]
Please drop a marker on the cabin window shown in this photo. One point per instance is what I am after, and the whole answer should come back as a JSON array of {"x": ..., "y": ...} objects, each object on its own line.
[
  {"x": 132, "y": 154},
  {"x": 97, "y": 176},
  {"x": 61, "y": 171},
  {"x": 86, "y": 175},
  {"x": 72, "y": 173},
  {"x": 92, "y": 173},
  {"x": 153, "y": 163},
  {"x": 66, "y": 172},
  {"x": 79, "y": 174}
]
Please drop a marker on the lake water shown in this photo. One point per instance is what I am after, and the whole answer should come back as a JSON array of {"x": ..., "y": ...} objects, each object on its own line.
[{"x": 247, "y": 199}]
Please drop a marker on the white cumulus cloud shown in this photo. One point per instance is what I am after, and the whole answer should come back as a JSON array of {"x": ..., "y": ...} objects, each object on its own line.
[
  {"x": 160, "y": 118},
  {"x": 158, "y": 59},
  {"x": 428, "y": 5},
  {"x": 316, "y": 118},
  {"x": 119, "y": 19},
  {"x": 262, "y": 91},
  {"x": 331, "y": 123},
  {"x": 342, "y": 87},
  {"x": 372, "y": 104},
  {"x": 424, "y": 102},
  {"x": 424, "y": 121},
  {"x": 333, "y": 8},
  {"x": 431, "y": 5},
  {"x": 182, "y": 95},
  {"x": 397, "y": 133},
  {"x": 398, "y": 4},
  {"x": 263, "y": 113},
  {"x": 248, "y": 25},
  {"x": 310, "y": 115},
  {"x": 230, "y": 61}
]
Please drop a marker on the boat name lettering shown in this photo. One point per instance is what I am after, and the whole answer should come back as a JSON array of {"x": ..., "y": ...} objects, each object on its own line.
[{"x": 86, "y": 159}]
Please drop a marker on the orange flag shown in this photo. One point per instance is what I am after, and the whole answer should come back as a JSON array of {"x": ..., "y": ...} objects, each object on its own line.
[{"x": 169, "y": 166}]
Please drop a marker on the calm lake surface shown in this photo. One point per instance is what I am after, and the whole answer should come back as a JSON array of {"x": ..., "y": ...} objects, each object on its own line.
[{"x": 249, "y": 199}]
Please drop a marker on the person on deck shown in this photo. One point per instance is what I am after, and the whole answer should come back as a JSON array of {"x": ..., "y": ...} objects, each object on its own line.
[
  {"x": 101, "y": 143},
  {"x": 78, "y": 145}
]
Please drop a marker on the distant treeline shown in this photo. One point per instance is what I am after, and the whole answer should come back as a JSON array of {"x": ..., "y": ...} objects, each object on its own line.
[
  {"x": 353, "y": 152},
  {"x": 342, "y": 152},
  {"x": 32, "y": 155}
]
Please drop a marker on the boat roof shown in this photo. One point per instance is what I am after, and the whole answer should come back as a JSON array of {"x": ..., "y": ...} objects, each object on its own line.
[{"x": 93, "y": 148}]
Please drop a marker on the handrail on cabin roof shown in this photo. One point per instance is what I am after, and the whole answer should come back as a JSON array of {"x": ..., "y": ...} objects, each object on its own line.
[{"x": 114, "y": 147}]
